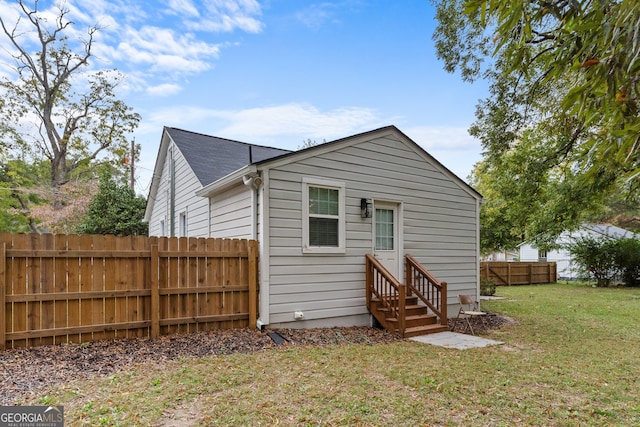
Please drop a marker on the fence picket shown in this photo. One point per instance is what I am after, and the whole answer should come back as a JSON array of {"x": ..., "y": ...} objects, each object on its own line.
[
  {"x": 86, "y": 285},
  {"x": 20, "y": 286},
  {"x": 73, "y": 285}
]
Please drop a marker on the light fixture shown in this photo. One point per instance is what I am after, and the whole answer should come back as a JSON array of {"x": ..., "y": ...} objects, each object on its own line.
[
  {"x": 365, "y": 208},
  {"x": 252, "y": 180}
]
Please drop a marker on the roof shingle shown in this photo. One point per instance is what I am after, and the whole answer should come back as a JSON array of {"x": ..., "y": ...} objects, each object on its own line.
[{"x": 212, "y": 158}]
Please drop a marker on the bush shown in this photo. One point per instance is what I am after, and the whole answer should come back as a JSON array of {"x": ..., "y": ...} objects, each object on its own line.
[
  {"x": 487, "y": 287},
  {"x": 594, "y": 259},
  {"x": 627, "y": 258},
  {"x": 115, "y": 210},
  {"x": 604, "y": 259}
]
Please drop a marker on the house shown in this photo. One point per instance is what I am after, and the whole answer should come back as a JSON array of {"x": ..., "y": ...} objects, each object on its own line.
[
  {"x": 561, "y": 256},
  {"x": 317, "y": 212},
  {"x": 504, "y": 255}
]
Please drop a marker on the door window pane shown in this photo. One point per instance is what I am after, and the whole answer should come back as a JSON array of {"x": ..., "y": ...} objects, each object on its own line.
[{"x": 384, "y": 229}]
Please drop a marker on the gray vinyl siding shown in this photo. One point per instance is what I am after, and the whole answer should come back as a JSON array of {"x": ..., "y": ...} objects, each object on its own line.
[
  {"x": 195, "y": 208},
  {"x": 231, "y": 215},
  {"x": 439, "y": 228}
]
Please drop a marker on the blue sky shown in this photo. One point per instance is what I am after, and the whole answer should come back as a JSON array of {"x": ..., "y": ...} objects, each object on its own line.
[{"x": 279, "y": 72}]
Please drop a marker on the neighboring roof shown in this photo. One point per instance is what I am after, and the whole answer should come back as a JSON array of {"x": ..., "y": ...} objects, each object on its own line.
[
  {"x": 609, "y": 230},
  {"x": 211, "y": 157}
]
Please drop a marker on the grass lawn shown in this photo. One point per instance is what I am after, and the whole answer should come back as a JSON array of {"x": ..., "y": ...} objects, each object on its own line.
[{"x": 572, "y": 360}]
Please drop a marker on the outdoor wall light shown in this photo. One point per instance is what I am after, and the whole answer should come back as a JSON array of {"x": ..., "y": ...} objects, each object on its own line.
[{"x": 365, "y": 208}]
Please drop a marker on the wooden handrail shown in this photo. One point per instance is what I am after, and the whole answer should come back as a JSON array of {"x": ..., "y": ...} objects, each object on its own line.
[
  {"x": 431, "y": 291},
  {"x": 386, "y": 289}
]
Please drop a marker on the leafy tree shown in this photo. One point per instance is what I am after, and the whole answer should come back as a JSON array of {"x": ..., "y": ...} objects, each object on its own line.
[
  {"x": 310, "y": 143},
  {"x": 66, "y": 112},
  {"x": 116, "y": 210},
  {"x": 561, "y": 126}
]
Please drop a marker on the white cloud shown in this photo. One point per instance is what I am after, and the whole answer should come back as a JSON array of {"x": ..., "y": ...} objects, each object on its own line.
[
  {"x": 164, "y": 51},
  {"x": 316, "y": 15},
  {"x": 286, "y": 124},
  {"x": 298, "y": 119},
  {"x": 226, "y": 16},
  {"x": 165, "y": 89},
  {"x": 183, "y": 7}
]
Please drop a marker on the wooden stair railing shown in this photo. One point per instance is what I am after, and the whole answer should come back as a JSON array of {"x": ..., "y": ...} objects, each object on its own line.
[
  {"x": 386, "y": 297},
  {"x": 430, "y": 290},
  {"x": 396, "y": 306}
]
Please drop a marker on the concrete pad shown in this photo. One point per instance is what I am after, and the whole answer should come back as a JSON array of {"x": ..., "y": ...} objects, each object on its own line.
[
  {"x": 455, "y": 340},
  {"x": 490, "y": 298}
]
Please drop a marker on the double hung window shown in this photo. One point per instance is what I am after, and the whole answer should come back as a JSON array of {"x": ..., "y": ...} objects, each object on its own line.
[{"x": 323, "y": 216}]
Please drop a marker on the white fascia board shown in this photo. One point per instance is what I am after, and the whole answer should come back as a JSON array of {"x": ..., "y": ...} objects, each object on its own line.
[
  {"x": 226, "y": 181},
  {"x": 165, "y": 142}
]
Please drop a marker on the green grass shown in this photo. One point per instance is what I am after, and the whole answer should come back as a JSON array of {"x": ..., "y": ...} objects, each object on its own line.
[{"x": 572, "y": 360}]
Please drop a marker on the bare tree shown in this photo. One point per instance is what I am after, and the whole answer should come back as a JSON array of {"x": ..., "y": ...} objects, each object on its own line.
[{"x": 63, "y": 110}]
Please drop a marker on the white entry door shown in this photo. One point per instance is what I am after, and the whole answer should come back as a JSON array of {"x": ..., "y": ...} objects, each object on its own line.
[{"x": 385, "y": 236}]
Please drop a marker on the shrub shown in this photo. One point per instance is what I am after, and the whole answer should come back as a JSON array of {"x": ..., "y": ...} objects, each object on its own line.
[
  {"x": 627, "y": 257},
  {"x": 487, "y": 287},
  {"x": 604, "y": 259},
  {"x": 594, "y": 259}
]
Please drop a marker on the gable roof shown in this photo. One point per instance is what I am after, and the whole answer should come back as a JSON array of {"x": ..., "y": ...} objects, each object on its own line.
[
  {"x": 292, "y": 156},
  {"x": 217, "y": 162},
  {"x": 375, "y": 133},
  {"x": 211, "y": 157}
]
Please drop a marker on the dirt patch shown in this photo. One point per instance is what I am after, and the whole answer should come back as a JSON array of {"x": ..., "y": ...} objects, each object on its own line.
[
  {"x": 482, "y": 325},
  {"x": 25, "y": 372}
]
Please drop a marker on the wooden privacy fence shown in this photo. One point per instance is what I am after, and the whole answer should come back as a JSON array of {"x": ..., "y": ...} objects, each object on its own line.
[
  {"x": 519, "y": 273},
  {"x": 78, "y": 288}
]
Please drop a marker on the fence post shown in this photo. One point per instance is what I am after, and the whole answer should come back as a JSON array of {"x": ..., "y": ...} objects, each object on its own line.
[
  {"x": 253, "y": 283},
  {"x": 155, "y": 293},
  {"x": 3, "y": 287}
]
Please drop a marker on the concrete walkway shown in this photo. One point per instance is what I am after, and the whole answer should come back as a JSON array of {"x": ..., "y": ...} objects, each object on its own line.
[{"x": 455, "y": 340}]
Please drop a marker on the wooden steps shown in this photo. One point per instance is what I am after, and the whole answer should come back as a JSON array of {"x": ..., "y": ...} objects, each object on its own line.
[{"x": 418, "y": 320}]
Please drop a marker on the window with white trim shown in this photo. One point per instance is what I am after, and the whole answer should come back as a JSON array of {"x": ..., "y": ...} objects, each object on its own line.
[
  {"x": 323, "y": 222},
  {"x": 542, "y": 255},
  {"x": 183, "y": 224}
]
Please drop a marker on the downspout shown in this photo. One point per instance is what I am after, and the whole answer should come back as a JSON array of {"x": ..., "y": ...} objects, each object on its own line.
[
  {"x": 172, "y": 209},
  {"x": 254, "y": 181},
  {"x": 478, "y": 207}
]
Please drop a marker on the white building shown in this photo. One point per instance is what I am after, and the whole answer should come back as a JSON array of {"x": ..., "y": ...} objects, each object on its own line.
[{"x": 561, "y": 256}]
